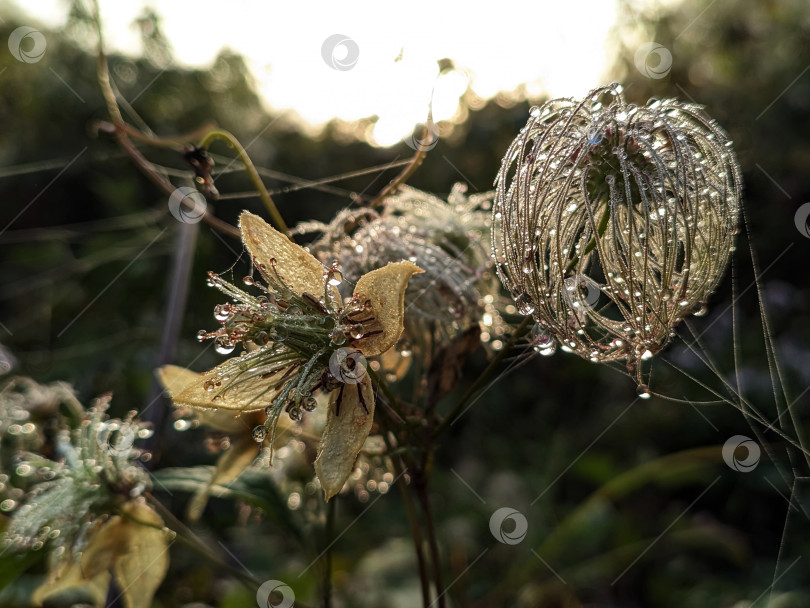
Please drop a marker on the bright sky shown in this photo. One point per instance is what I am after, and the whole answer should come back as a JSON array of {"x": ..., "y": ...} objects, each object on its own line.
[{"x": 547, "y": 45}]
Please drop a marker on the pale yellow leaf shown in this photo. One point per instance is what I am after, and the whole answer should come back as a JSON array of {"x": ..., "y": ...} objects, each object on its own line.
[
  {"x": 385, "y": 287},
  {"x": 254, "y": 393},
  {"x": 344, "y": 434},
  {"x": 176, "y": 379},
  {"x": 230, "y": 465},
  {"x": 141, "y": 567},
  {"x": 296, "y": 266},
  {"x": 70, "y": 577}
]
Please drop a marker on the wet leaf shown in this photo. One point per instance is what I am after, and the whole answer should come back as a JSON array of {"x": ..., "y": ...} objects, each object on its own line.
[
  {"x": 385, "y": 287},
  {"x": 344, "y": 434}
]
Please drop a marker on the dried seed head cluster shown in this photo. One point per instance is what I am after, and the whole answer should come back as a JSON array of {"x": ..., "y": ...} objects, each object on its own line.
[
  {"x": 612, "y": 221},
  {"x": 448, "y": 239},
  {"x": 96, "y": 470}
]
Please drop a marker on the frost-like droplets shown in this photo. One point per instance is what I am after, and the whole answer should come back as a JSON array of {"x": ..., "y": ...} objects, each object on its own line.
[
  {"x": 524, "y": 304},
  {"x": 259, "y": 434},
  {"x": 334, "y": 277},
  {"x": 643, "y": 391}
]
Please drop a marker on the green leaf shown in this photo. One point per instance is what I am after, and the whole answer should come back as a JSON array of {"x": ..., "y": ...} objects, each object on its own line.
[{"x": 253, "y": 487}]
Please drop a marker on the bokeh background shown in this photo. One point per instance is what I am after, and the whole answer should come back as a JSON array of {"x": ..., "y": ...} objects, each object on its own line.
[{"x": 629, "y": 502}]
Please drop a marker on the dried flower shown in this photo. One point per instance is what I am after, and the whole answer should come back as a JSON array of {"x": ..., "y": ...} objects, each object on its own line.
[
  {"x": 613, "y": 221},
  {"x": 448, "y": 239},
  {"x": 300, "y": 337}
]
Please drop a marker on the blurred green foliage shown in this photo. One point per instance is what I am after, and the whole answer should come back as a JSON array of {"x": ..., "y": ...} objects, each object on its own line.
[{"x": 599, "y": 476}]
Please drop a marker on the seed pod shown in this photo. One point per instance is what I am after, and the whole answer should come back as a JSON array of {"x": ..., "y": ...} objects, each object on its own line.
[{"x": 612, "y": 221}]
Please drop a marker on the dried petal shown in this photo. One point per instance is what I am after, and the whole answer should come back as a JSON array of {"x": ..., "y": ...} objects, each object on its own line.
[
  {"x": 230, "y": 465},
  {"x": 385, "y": 288},
  {"x": 296, "y": 266},
  {"x": 134, "y": 547},
  {"x": 250, "y": 395},
  {"x": 344, "y": 434}
]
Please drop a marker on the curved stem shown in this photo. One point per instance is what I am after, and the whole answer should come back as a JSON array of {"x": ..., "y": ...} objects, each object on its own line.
[
  {"x": 257, "y": 182},
  {"x": 327, "y": 570},
  {"x": 424, "y": 500},
  {"x": 421, "y": 152}
]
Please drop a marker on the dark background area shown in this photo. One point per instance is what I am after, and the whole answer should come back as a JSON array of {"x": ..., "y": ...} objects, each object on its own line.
[{"x": 610, "y": 476}]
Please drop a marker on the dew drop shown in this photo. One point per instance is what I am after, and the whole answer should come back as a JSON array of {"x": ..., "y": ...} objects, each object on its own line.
[
  {"x": 666, "y": 294},
  {"x": 334, "y": 277},
  {"x": 337, "y": 336},
  {"x": 223, "y": 347},
  {"x": 643, "y": 391},
  {"x": 296, "y": 414},
  {"x": 222, "y": 312},
  {"x": 524, "y": 304},
  {"x": 202, "y": 335},
  {"x": 7, "y": 505},
  {"x": 309, "y": 403},
  {"x": 248, "y": 280},
  {"x": 356, "y": 332},
  {"x": 259, "y": 434},
  {"x": 703, "y": 311}
]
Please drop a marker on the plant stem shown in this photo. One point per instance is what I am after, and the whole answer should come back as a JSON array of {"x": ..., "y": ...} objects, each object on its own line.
[
  {"x": 484, "y": 377},
  {"x": 410, "y": 512},
  {"x": 257, "y": 182},
  {"x": 331, "y": 507},
  {"x": 424, "y": 500},
  {"x": 421, "y": 152}
]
